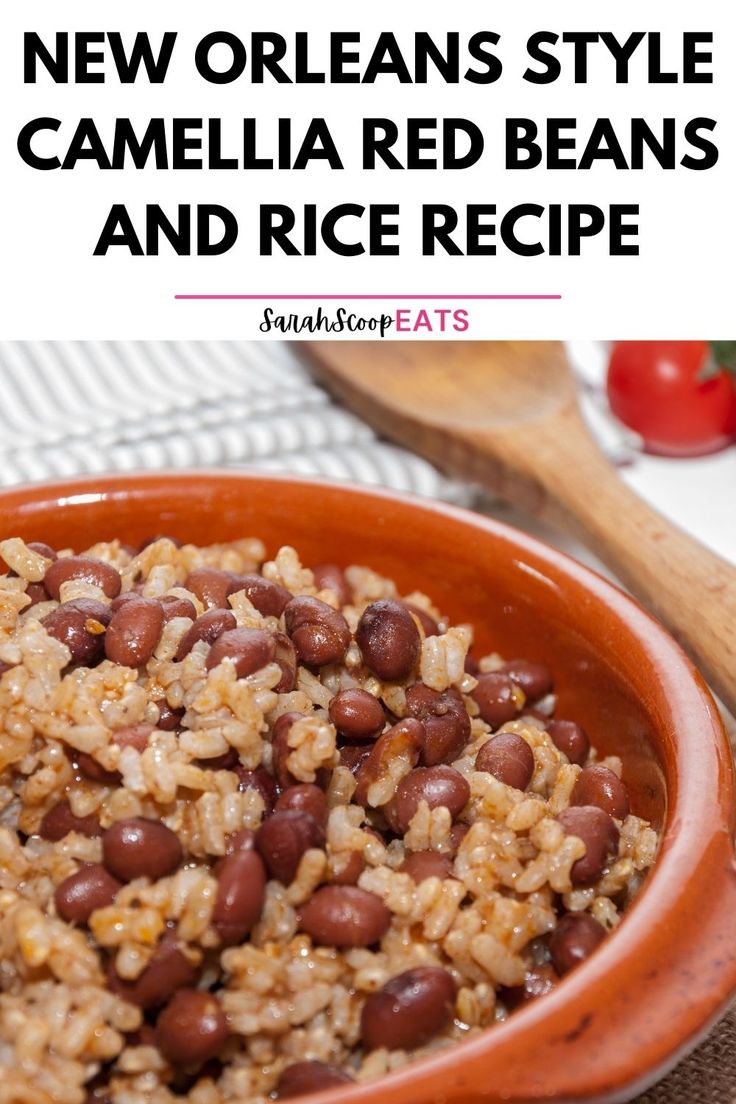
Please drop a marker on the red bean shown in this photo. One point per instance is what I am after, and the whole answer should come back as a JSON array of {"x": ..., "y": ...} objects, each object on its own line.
[
  {"x": 539, "y": 981},
  {"x": 306, "y": 798},
  {"x": 599, "y": 834},
  {"x": 439, "y": 786},
  {"x": 420, "y": 865},
  {"x": 42, "y": 549},
  {"x": 208, "y": 626},
  {"x": 249, "y": 649},
  {"x": 212, "y": 586},
  {"x": 389, "y": 640},
  {"x": 270, "y": 599},
  {"x": 80, "y": 625},
  {"x": 123, "y": 599},
  {"x": 508, "y": 758},
  {"x": 144, "y": 1036},
  {"x": 319, "y": 633},
  {"x": 259, "y": 780},
  {"x": 428, "y": 623},
  {"x": 495, "y": 698},
  {"x": 458, "y": 832},
  {"x": 471, "y": 665},
  {"x": 356, "y": 714},
  {"x": 174, "y": 606},
  {"x": 134, "y": 632},
  {"x": 140, "y": 848},
  {"x": 574, "y": 939},
  {"x": 192, "y": 1028},
  {"x": 60, "y": 821},
  {"x": 79, "y": 895},
  {"x": 280, "y": 748},
  {"x": 349, "y": 872},
  {"x": 445, "y": 720},
  {"x": 572, "y": 740},
  {"x": 229, "y": 760},
  {"x": 309, "y": 1077},
  {"x": 344, "y": 916},
  {"x": 168, "y": 719},
  {"x": 535, "y": 679},
  {"x": 285, "y": 656},
  {"x": 328, "y": 576},
  {"x": 37, "y": 593},
  {"x": 88, "y": 767},
  {"x": 241, "y": 891},
  {"x": 598, "y": 785},
  {"x": 242, "y": 840},
  {"x": 405, "y": 738},
  {"x": 135, "y": 736},
  {"x": 409, "y": 1010},
  {"x": 168, "y": 970},
  {"x": 86, "y": 569},
  {"x": 283, "y": 838},
  {"x": 353, "y": 756}
]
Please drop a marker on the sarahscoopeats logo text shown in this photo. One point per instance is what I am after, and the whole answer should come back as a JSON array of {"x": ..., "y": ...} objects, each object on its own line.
[{"x": 404, "y": 320}]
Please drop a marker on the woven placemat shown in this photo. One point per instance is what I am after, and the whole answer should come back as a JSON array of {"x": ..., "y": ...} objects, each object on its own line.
[{"x": 707, "y": 1076}]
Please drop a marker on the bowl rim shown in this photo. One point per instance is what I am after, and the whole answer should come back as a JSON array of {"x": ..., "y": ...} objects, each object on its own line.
[{"x": 696, "y": 854}]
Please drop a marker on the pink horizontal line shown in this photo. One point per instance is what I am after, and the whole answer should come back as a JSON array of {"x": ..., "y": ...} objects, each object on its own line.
[{"x": 383, "y": 297}]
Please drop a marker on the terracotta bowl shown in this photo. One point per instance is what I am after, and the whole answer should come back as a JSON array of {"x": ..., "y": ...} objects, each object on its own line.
[{"x": 622, "y": 1019}]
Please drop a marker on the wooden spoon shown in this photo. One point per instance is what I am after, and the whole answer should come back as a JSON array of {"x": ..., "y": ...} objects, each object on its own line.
[{"x": 505, "y": 414}]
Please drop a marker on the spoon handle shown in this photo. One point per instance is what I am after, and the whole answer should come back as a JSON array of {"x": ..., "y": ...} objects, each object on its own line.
[{"x": 566, "y": 479}]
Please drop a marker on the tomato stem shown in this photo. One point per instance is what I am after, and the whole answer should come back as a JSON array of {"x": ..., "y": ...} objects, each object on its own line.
[{"x": 723, "y": 355}]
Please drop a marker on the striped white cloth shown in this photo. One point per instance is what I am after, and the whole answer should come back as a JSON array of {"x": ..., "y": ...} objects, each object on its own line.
[{"x": 70, "y": 408}]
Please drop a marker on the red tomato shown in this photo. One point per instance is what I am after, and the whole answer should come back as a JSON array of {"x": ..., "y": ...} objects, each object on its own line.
[{"x": 665, "y": 391}]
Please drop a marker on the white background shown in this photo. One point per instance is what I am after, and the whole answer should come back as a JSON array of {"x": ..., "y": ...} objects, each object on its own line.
[{"x": 681, "y": 286}]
